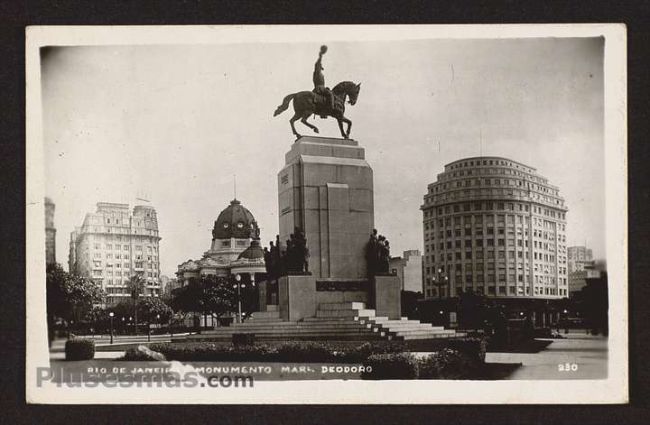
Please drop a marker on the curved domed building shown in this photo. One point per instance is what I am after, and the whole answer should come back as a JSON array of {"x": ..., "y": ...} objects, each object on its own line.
[{"x": 235, "y": 247}]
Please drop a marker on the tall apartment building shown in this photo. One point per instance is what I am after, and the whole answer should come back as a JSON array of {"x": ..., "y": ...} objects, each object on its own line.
[
  {"x": 50, "y": 232},
  {"x": 408, "y": 269},
  {"x": 496, "y": 227},
  {"x": 114, "y": 244}
]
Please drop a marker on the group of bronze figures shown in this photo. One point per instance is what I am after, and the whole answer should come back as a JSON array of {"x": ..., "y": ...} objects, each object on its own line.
[
  {"x": 294, "y": 259},
  {"x": 377, "y": 254}
]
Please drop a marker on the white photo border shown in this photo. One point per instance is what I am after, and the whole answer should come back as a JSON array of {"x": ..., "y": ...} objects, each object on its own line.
[{"x": 613, "y": 390}]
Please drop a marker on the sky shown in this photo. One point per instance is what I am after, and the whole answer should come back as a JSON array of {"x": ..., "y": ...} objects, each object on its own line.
[{"x": 174, "y": 124}]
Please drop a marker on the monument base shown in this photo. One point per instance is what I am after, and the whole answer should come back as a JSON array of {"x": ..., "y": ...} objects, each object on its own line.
[
  {"x": 297, "y": 297},
  {"x": 386, "y": 293},
  {"x": 300, "y": 296}
]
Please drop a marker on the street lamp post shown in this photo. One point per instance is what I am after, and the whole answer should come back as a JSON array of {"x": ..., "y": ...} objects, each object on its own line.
[
  {"x": 238, "y": 279},
  {"x": 111, "y": 314},
  {"x": 440, "y": 279}
]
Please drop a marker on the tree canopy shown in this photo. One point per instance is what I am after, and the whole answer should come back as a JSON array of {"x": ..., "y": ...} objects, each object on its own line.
[
  {"x": 69, "y": 296},
  {"x": 208, "y": 294}
]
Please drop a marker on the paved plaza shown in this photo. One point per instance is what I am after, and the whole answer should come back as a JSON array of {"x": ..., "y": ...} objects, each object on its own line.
[{"x": 588, "y": 353}]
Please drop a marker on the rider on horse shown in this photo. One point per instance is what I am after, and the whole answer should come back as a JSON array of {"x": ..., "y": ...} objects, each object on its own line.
[{"x": 319, "y": 83}]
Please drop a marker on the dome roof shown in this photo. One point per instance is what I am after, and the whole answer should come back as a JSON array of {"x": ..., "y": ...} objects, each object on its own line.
[
  {"x": 234, "y": 222},
  {"x": 253, "y": 252}
]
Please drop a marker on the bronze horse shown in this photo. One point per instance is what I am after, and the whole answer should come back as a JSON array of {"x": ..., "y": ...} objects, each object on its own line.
[{"x": 305, "y": 104}]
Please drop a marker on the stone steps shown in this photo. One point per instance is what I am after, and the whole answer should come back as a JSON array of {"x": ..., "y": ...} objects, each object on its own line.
[
  {"x": 435, "y": 336},
  {"x": 297, "y": 337},
  {"x": 403, "y": 323},
  {"x": 342, "y": 306},
  {"x": 333, "y": 321},
  {"x": 250, "y": 329},
  {"x": 345, "y": 313},
  {"x": 296, "y": 331}
]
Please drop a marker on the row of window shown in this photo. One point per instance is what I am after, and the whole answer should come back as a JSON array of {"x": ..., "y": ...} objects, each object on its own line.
[
  {"x": 500, "y": 277},
  {"x": 124, "y": 230},
  {"x": 136, "y": 265},
  {"x": 523, "y": 194},
  {"x": 501, "y": 255},
  {"x": 443, "y": 187},
  {"x": 492, "y": 290},
  {"x": 492, "y": 206},
  {"x": 501, "y": 265},
  {"x": 484, "y": 162},
  {"x": 500, "y": 242},
  {"x": 478, "y": 231},
  {"x": 115, "y": 299}
]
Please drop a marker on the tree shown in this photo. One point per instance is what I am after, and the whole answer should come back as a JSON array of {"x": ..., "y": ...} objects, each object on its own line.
[
  {"x": 208, "y": 295},
  {"x": 136, "y": 287},
  {"x": 409, "y": 300},
  {"x": 153, "y": 309},
  {"x": 186, "y": 299},
  {"x": 218, "y": 296},
  {"x": 69, "y": 296}
]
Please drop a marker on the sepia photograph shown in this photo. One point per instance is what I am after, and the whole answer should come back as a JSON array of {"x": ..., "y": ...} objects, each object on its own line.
[{"x": 327, "y": 214}]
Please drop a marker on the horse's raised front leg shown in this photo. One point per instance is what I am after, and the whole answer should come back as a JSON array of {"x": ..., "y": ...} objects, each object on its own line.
[
  {"x": 293, "y": 128},
  {"x": 349, "y": 123},
  {"x": 341, "y": 128},
  {"x": 313, "y": 127}
]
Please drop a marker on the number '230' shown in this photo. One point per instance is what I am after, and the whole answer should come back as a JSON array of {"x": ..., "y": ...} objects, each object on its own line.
[{"x": 567, "y": 367}]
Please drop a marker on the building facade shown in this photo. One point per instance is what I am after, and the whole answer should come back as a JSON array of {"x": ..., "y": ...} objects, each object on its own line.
[
  {"x": 50, "y": 232},
  {"x": 113, "y": 244},
  {"x": 408, "y": 269},
  {"x": 578, "y": 257},
  {"x": 496, "y": 227},
  {"x": 581, "y": 266}
]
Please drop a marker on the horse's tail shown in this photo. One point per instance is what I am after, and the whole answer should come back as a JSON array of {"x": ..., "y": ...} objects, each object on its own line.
[{"x": 285, "y": 104}]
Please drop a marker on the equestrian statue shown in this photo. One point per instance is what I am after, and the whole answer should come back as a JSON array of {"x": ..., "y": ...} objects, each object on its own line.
[{"x": 321, "y": 100}]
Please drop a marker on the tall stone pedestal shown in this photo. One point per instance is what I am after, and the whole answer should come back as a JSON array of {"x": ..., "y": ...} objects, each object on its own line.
[{"x": 326, "y": 189}]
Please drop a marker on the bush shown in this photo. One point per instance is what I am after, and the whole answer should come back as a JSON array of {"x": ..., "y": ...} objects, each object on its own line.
[
  {"x": 359, "y": 353},
  {"x": 305, "y": 352},
  {"x": 447, "y": 364},
  {"x": 79, "y": 349},
  {"x": 213, "y": 352},
  {"x": 300, "y": 351},
  {"x": 243, "y": 339},
  {"x": 391, "y": 366},
  {"x": 474, "y": 348}
]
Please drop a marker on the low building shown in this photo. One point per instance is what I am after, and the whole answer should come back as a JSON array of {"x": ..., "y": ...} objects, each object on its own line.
[
  {"x": 581, "y": 266},
  {"x": 168, "y": 285},
  {"x": 235, "y": 252},
  {"x": 408, "y": 269},
  {"x": 234, "y": 249}
]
